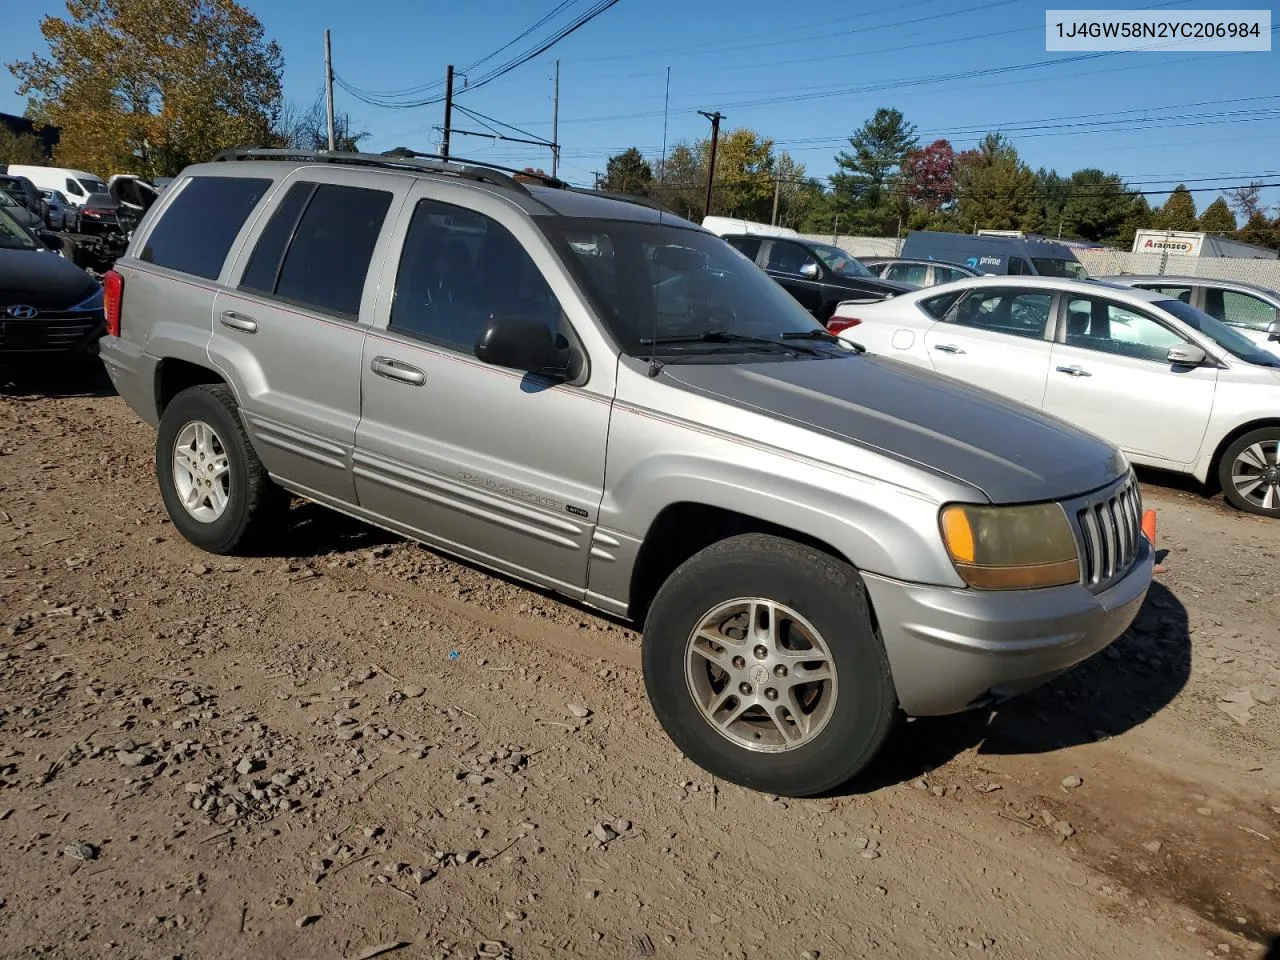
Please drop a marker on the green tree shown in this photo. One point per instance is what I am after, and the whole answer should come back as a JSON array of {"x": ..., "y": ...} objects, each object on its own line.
[
  {"x": 21, "y": 147},
  {"x": 628, "y": 172},
  {"x": 1095, "y": 205},
  {"x": 1178, "y": 212},
  {"x": 1138, "y": 216},
  {"x": 148, "y": 86},
  {"x": 1258, "y": 231},
  {"x": 995, "y": 190},
  {"x": 863, "y": 185},
  {"x": 681, "y": 182},
  {"x": 1218, "y": 218},
  {"x": 1054, "y": 189}
]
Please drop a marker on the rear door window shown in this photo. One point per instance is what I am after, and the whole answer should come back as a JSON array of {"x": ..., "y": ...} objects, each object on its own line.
[
  {"x": 328, "y": 257},
  {"x": 1239, "y": 309},
  {"x": 1015, "y": 312},
  {"x": 195, "y": 233},
  {"x": 914, "y": 273}
]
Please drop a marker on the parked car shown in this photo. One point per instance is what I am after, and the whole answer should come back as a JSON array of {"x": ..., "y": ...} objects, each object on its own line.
[
  {"x": 917, "y": 273},
  {"x": 62, "y": 215},
  {"x": 985, "y": 254},
  {"x": 47, "y": 304},
  {"x": 24, "y": 193},
  {"x": 1168, "y": 384},
  {"x": 812, "y": 539},
  {"x": 76, "y": 185},
  {"x": 1248, "y": 307},
  {"x": 818, "y": 275},
  {"x": 100, "y": 214},
  {"x": 28, "y": 218}
]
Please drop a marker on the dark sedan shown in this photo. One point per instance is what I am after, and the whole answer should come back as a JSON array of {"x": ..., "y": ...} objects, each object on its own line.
[
  {"x": 47, "y": 304},
  {"x": 100, "y": 214},
  {"x": 819, "y": 275}
]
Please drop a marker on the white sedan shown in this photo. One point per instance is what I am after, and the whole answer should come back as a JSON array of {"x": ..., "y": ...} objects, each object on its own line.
[{"x": 1169, "y": 385}]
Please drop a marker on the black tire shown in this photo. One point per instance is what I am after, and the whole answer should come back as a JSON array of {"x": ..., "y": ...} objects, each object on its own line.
[
  {"x": 254, "y": 503},
  {"x": 1253, "y": 500},
  {"x": 826, "y": 592}
]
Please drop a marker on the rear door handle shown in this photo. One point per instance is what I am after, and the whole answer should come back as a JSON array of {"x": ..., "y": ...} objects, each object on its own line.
[
  {"x": 948, "y": 348},
  {"x": 395, "y": 370},
  {"x": 238, "y": 321},
  {"x": 1074, "y": 371}
]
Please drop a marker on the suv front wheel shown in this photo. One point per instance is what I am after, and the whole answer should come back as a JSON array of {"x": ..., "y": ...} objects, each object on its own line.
[
  {"x": 215, "y": 488},
  {"x": 763, "y": 666}
]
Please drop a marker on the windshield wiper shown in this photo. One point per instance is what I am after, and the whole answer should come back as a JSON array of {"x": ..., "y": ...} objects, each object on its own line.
[
  {"x": 814, "y": 334},
  {"x": 719, "y": 336},
  {"x": 824, "y": 335}
]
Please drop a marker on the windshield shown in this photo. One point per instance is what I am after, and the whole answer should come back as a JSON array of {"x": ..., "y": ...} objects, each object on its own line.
[
  {"x": 653, "y": 283},
  {"x": 13, "y": 188},
  {"x": 1060, "y": 268},
  {"x": 93, "y": 186},
  {"x": 14, "y": 236},
  {"x": 839, "y": 262},
  {"x": 1238, "y": 345}
]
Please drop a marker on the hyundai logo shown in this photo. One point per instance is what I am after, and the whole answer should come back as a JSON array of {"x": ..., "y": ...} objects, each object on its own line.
[{"x": 21, "y": 311}]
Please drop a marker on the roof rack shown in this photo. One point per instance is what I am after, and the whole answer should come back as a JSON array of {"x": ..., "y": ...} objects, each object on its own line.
[
  {"x": 400, "y": 158},
  {"x": 403, "y": 158}
]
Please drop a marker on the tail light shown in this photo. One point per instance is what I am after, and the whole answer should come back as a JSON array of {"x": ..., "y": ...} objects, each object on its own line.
[
  {"x": 836, "y": 324},
  {"x": 90, "y": 212},
  {"x": 112, "y": 295}
]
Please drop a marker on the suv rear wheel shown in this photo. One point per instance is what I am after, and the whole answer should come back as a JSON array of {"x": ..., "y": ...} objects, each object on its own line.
[
  {"x": 214, "y": 486},
  {"x": 763, "y": 666}
]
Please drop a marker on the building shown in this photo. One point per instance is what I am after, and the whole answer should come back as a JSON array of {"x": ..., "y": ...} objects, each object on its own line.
[{"x": 49, "y": 135}]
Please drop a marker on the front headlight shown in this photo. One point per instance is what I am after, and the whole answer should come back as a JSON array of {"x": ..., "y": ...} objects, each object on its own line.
[
  {"x": 94, "y": 301},
  {"x": 1010, "y": 548}
]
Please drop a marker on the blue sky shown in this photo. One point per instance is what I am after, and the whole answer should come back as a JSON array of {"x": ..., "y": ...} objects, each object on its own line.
[{"x": 798, "y": 74}]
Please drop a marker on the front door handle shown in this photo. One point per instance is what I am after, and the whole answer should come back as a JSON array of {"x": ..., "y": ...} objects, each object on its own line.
[
  {"x": 948, "y": 348},
  {"x": 1075, "y": 371},
  {"x": 238, "y": 321},
  {"x": 395, "y": 370}
]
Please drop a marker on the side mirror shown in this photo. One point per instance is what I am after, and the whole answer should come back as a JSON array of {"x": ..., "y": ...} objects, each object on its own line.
[
  {"x": 1186, "y": 355},
  {"x": 809, "y": 271},
  {"x": 1273, "y": 329},
  {"x": 521, "y": 344}
]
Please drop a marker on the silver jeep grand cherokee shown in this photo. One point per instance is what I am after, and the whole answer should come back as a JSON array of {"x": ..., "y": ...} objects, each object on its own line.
[{"x": 597, "y": 397}]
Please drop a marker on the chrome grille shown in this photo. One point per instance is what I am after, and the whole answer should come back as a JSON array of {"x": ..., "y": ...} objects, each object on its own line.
[{"x": 1110, "y": 530}]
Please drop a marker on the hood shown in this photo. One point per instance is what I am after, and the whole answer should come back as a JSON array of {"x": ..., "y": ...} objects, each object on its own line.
[
  {"x": 1013, "y": 454},
  {"x": 42, "y": 279}
]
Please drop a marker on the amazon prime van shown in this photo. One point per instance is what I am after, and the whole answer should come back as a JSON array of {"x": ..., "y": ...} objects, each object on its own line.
[{"x": 997, "y": 255}]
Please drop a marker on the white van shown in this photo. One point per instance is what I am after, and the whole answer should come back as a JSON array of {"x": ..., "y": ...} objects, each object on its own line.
[
  {"x": 75, "y": 184},
  {"x": 723, "y": 226}
]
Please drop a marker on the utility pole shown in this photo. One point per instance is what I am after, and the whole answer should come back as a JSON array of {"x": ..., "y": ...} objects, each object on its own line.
[
  {"x": 448, "y": 111},
  {"x": 777, "y": 189},
  {"x": 328, "y": 89},
  {"x": 715, "y": 119},
  {"x": 555, "y": 126}
]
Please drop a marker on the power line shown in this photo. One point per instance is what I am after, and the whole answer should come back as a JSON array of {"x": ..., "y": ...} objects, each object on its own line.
[{"x": 519, "y": 60}]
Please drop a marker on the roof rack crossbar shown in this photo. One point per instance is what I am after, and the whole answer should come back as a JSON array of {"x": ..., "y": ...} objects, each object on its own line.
[
  {"x": 403, "y": 158},
  {"x": 395, "y": 159}
]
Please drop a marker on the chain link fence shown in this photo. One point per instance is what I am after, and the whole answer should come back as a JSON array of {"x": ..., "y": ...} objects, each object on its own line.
[{"x": 1102, "y": 263}]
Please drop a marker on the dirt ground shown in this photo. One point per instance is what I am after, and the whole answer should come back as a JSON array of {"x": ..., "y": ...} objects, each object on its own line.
[{"x": 355, "y": 747}]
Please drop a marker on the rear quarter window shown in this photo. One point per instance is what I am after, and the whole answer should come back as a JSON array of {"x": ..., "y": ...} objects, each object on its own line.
[
  {"x": 937, "y": 307},
  {"x": 195, "y": 233}
]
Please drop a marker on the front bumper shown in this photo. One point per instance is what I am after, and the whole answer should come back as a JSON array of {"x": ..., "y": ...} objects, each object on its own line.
[
  {"x": 75, "y": 334},
  {"x": 954, "y": 649}
]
